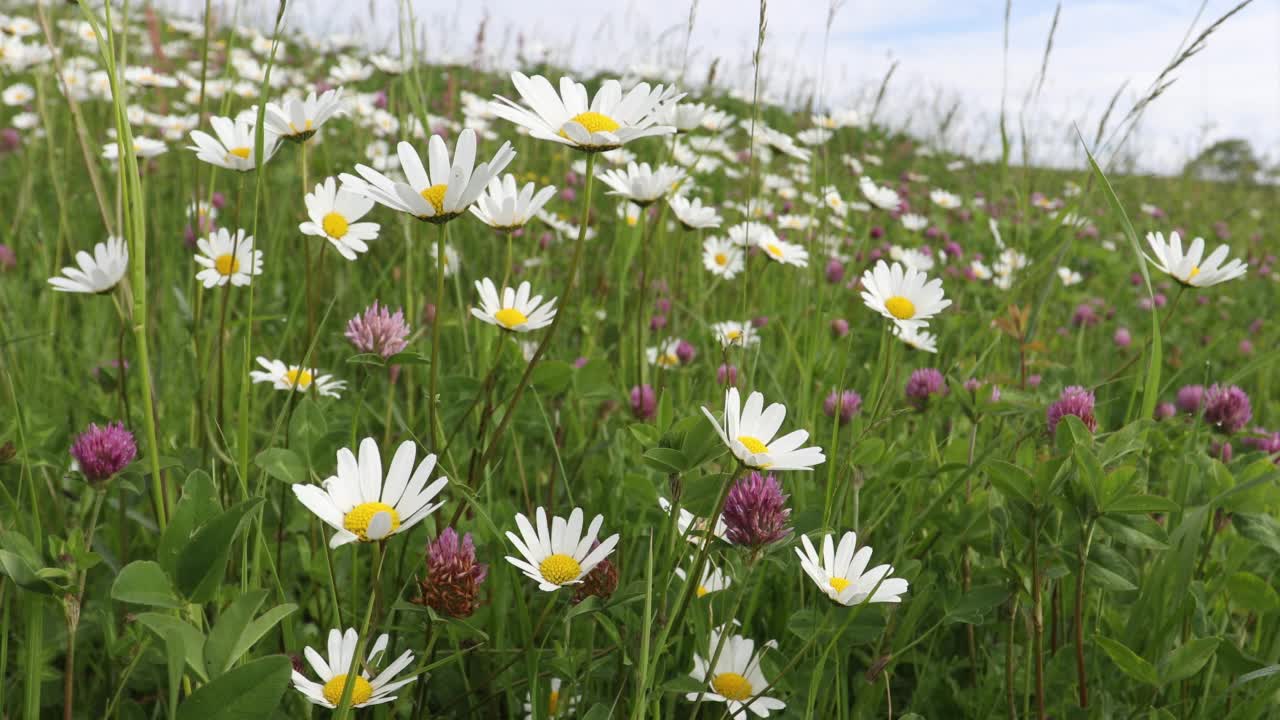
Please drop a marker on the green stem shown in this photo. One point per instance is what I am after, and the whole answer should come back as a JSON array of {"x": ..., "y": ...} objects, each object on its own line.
[
  {"x": 344, "y": 703},
  {"x": 433, "y": 414}
]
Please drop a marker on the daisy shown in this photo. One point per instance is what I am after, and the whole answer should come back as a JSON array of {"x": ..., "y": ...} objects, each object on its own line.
[
  {"x": 841, "y": 572},
  {"x": 98, "y": 272},
  {"x": 914, "y": 223},
  {"x": 713, "y": 579},
  {"x": 506, "y": 207},
  {"x": 18, "y": 95},
  {"x": 736, "y": 334},
  {"x": 945, "y": 200},
  {"x": 641, "y": 184},
  {"x": 885, "y": 198},
  {"x": 722, "y": 258},
  {"x": 561, "y": 555},
  {"x": 142, "y": 148},
  {"x": 666, "y": 354},
  {"x": 516, "y": 311},
  {"x": 686, "y": 520},
  {"x": 334, "y": 213},
  {"x": 786, "y": 253},
  {"x": 684, "y": 117},
  {"x": 297, "y": 119},
  {"x": 1192, "y": 268},
  {"x": 736, "y": 678},
  {"x": 293, "y": 377},
  {"x": 452, "y": 260},
  {"x": 557, "y": 704},
  {"x": 1069, "y": 277},
  {"x": 226, "y": 259},
  {"x": 906, "y": 296},
  {"x": 692, "y": 214},
  {"x": 333, "y": 676},
  {"x": 361, "y": 506},
  {"x": 609, "y": 121},
  {"x": 916, "y": 337},
  {"x": 233, "y": 148},
  {"x": 748, "y": 431},
  {"x": 442, "y": 194}
]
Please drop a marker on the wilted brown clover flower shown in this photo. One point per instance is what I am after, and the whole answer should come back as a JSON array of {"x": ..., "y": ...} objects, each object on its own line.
[{"x": 600, "y": 582}]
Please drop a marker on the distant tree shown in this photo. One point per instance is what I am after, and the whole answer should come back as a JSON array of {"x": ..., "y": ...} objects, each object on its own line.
[{"x": 1230, "y": 160}]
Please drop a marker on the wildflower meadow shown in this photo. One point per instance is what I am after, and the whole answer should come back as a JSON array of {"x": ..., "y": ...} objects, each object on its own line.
[{"x": 342, "y": 380}]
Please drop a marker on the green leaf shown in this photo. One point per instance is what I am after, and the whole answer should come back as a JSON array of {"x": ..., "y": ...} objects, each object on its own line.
[
  {"x": 1107, "y": 579},
  {"x": 175, "y": 659},
  {"x": 1187, "y": 660},
  {"x": 1137, "y": 530},
  {"x": 192, "y": 639},
  {"x": 199, "y": 502},
  {"x": 250, "y": 692},
  {"x": 1128, "y": 661},
  {"x": 20, "y": 571},
  {"x": 599, "y": 711},
  {"x": 204, "y": 559},
  {"x": 219, "y": 648},
  {"x": 1258, "y": 674},
  {"x": 144, "y": 582},
  {"x": 804, "y": 623},
  {"x": 283, "y": 464},
  {"x": 666, "y": 460},
  {"x": 552, "y": 376},
  {"x": 1142, "y": 505},
  {"x": 408, "y": 357},
  {"x": 1012, "y": 481},
  {"x": 306, "y": 428},
  {"x": 868, "y": 452},
  {"x": 644, "y": 433},
  {"x": 974, "y": 605},
  {"x": 1250, "y": 592}
]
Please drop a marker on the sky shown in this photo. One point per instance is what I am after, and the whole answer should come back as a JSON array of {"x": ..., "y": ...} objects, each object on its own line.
[{"x": 946, "y": 54}]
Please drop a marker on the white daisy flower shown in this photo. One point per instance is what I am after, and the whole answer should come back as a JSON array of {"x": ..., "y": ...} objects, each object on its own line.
[
  {"x": 18, "y": 94},
  {"x": 906, "y": 296},
  {"x": 945, "y": 200},
  {"x": 227, "y": 259},
  {"x": 560, "y": 555},
  {"x": 713, "y": 579},
  {"x": 333, "y": 213},
  {"x": 1069, "y": 277},
  {"x": 914, "y": 222},
  {"x": 557, "y": 704},
  {"x": 666, "y": 354},
  {"x": 332, "y": 672},
  {"x": 736, "y": 334},
  {"x": 233, "y": 148},
  {"x": 143, "y": 147},
  {"x": 506, "y": 207},
  {"x": 361, "y": 505},
  {"x": 736, "y": 677},
  {"x": 296, "y": 378},
  {"x": 917, "y": 337},
  {"x": 722, "y": 258},
  {"x": 609, "y": 121},
  {"x": 841, "y": 572},
  {"x": 1192, "y": 268},
  {"x": 98, "y": 272},
  {"x": 786, "y": 253},
  {"x": 642, "y": 184},
  {"x": 442, "y": 194},
  {"x": 452, "y": 260},
  {"x": 686, "y": 520},
  {"x": 515, "y": 311},
  {"x": 692, "y": 214},
  {"x": 684, "y": 117},
  {"x": 748, "y": 431},
  {"x": 885, "y": 198},
  {"x": 297, "y": 119},
  {"x": 752, "y": 233}
]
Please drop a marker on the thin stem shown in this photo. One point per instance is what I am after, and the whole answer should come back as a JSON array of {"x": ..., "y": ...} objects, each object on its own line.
[
  {"x": 344, "y": 703},
  {"x": 433, "y": 413},
  {"x": 1078, "y": 620}
]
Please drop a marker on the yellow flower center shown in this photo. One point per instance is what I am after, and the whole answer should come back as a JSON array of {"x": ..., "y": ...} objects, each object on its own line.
[
  {"x": 774, "y": 250},
  {"x": 839, "y": 584},
  {"x": 553, "y": 702},
  {"x": 335, "y": 226},
  {"x": 1195, "y": 270},
  {"x": 900, "y": 307},
  {"x": 306, "y": 128},
  {"x": 559, "y": 569},
  {"x": 702, "y": 590},
  {"x": 510, "y": 317},
  {"x": 732, "y": 335},
  {"x": 361, "y": 690},
  {"x": 594, "y": 122},
  {"x": 732, "y": 685},
  {"x": 357, "y": 521},
  {"x": 667, "y": 360},
  {"x": 435, "y": 196},
  {"x": 240, "y": 152},
  {"x": 227, "y": 264},
  {"x": 299, "y": 378},
  {"x": 753, "y": 444},
  {"x": 722, "y": 259}
]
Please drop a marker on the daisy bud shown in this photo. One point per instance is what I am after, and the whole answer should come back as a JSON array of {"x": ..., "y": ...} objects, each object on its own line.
[
  {"x": 101, "y": 452},
  {"x": 1074, "y": 400},
  {"x": 376, "y": 330},
  {"x": 644, "y": 402},
  {"x": 453, "y": 576},
  {"x": 755, "y": 511},
  {"x": 1227, "y": 409},
  {"x": 601, "y": 582},
  {"x": 923, "y": 384},
  {"x": 846, "y": 402}
]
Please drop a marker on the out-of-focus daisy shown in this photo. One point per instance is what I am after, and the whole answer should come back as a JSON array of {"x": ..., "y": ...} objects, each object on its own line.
[
  {"x": 906, "y": 296},
  {"x": 514, "y": 310},
  {"x": 914, "y": 222},
  {"x": 452, "y": 260},
  {"x": 227, "y": 259},
  {"x": 143, "y": 147},
  {"x": 666, "y": 354},
  {"x": 233, "y": 148},
  {"x": 332, "y": 672},
  {"x": 295, "y": 377},
  {"x": 1192, "y": 268},
  {"x": 686, "y": 520},
  {"x": 558, "y": 705},
  {"x": 784, "y": 252},
  {"x": 736, "y": 334},
  {"x": 713, "y": 580},
  {"x": 297, "y": 119},
  {"x": 362, "y": 506},
  {"x": 18, "y": 94},
  {"x": 751, "y": 233},
  {"x": 841, "y": 572},
  {"x": 735, "y": 678},
  {"x": 334, "y": 213},
  {"x": 609, "y": 121},
  {"x": 885, "y": 198},
  {"x": 684, "y": 117},
  {"x": 505, "y": 207},
  {"x": 98, "y": 272},
  {"x": 642, "y": 184},
  {"x": 442, "y": 194},
  {"x": 912, "y": 258},
  {"x": 945, "y": 200},
  {"x": 748, "y": 431},
  {"x": 692, "y": 214},
  {"x": 561, "y": 554},
  {"x": 723, "y": 258},
  {"x": 1068, "y": 276},
  {"x": 917, "y": 337}
]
